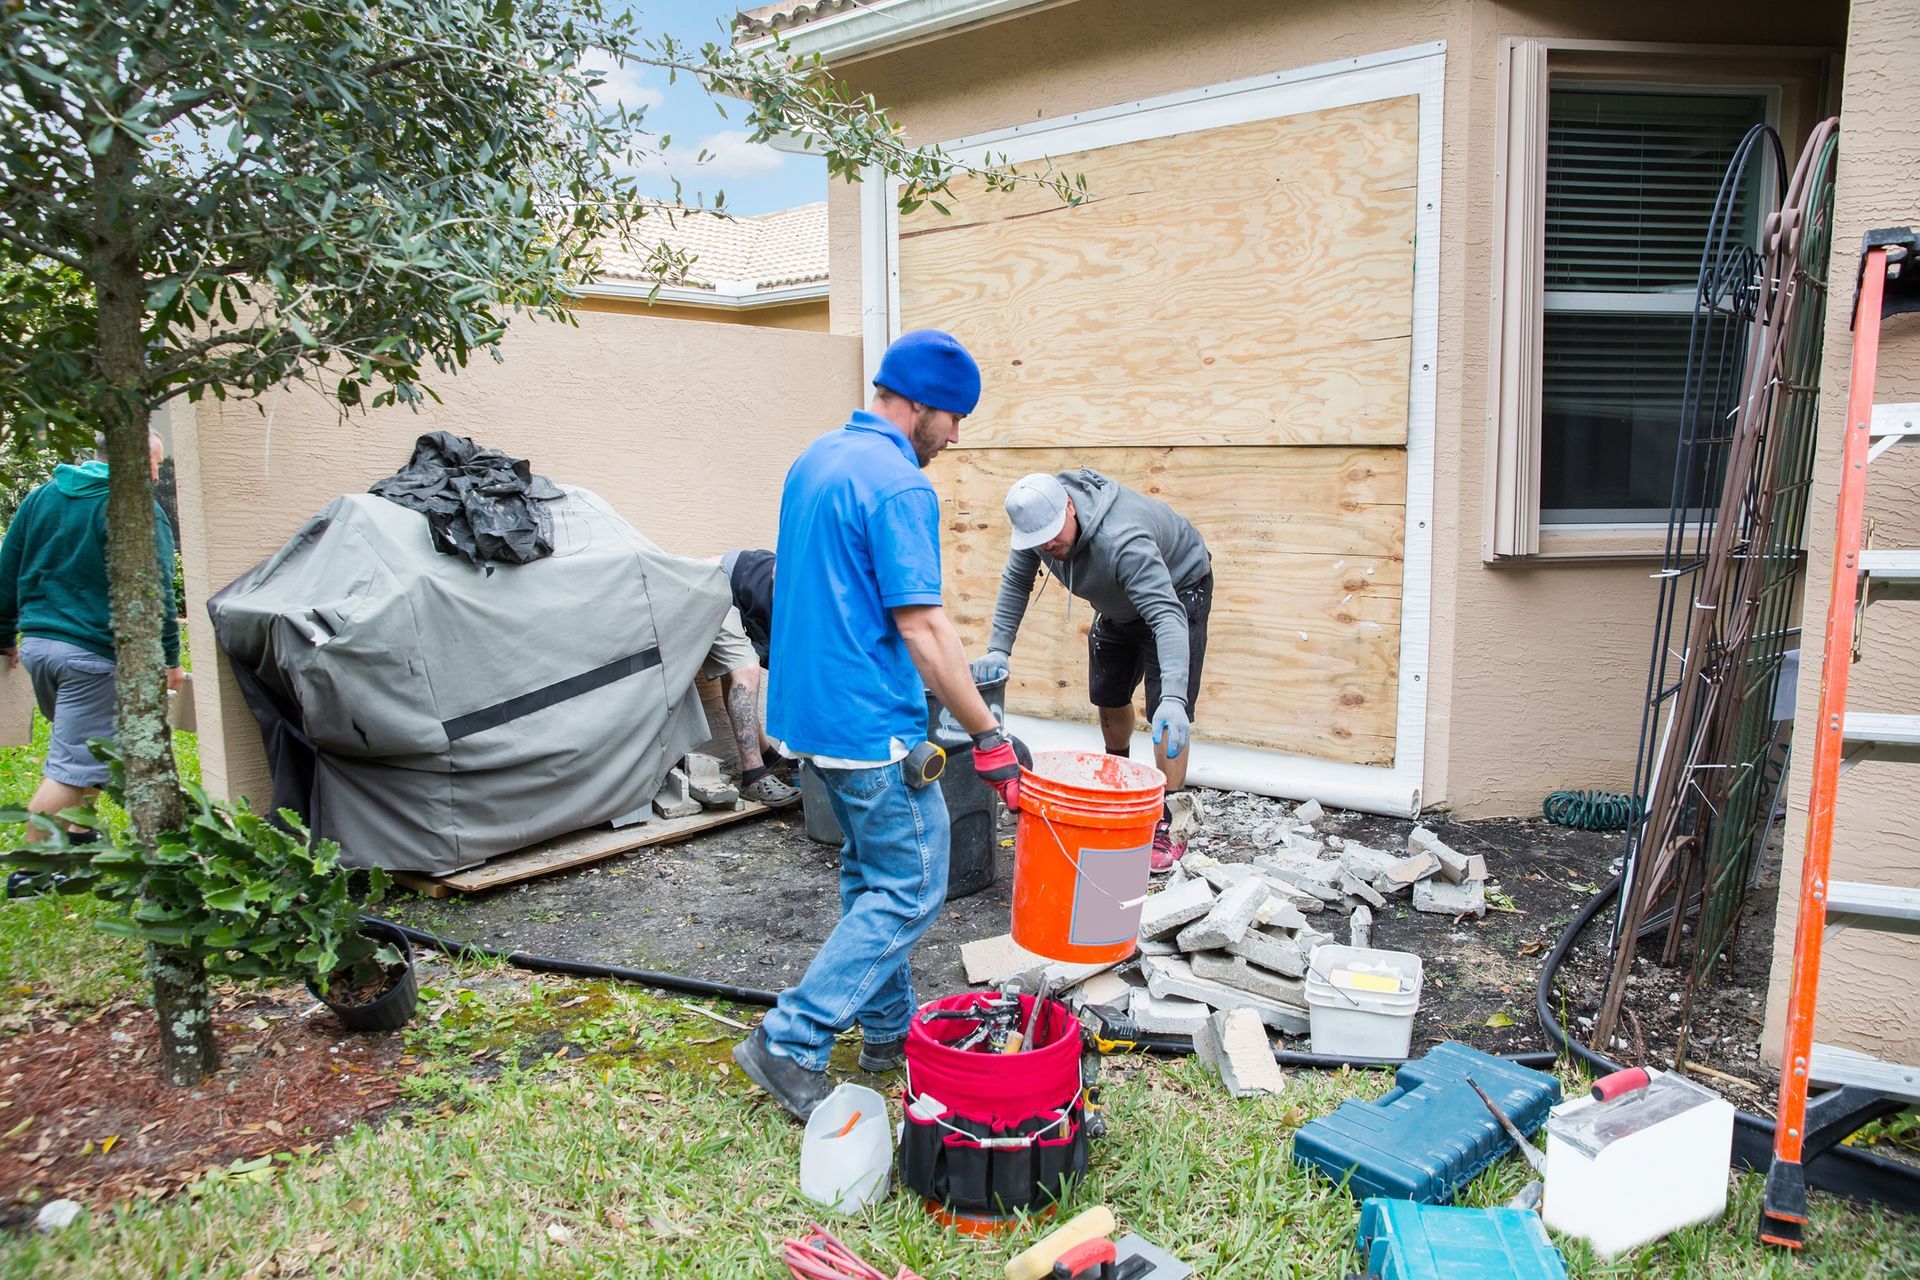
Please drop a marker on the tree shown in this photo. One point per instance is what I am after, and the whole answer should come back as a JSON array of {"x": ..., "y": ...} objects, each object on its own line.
[{"x": 353, "y": 193}]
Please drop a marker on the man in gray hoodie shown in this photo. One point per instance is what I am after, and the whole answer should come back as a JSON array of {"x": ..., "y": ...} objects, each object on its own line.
[{"x": 1146, "y": 572}]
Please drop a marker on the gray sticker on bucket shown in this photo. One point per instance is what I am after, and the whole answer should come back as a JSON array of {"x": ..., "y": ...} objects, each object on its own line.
[{"x": 1108, "y": 879}]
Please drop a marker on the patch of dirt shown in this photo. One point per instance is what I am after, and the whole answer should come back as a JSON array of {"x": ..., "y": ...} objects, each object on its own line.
[
  {"x": 1729, "y": 1009},
  {"x": 750, "y": 904},
  {"x": 84, "y": 1114}
]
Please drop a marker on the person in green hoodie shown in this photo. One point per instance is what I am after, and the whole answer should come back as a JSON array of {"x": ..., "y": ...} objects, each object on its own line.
[{"x": 53, "y": 597}]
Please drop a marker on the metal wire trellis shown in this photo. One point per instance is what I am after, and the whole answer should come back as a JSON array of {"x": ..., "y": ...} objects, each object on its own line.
[{"x": 1728, "y": 585}]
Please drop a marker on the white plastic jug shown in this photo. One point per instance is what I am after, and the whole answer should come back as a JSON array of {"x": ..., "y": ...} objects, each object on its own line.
[{"x": 846, "y": 1158}]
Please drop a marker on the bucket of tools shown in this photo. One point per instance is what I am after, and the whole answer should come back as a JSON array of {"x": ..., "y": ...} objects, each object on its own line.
[{"x": 994, "y": 1110}]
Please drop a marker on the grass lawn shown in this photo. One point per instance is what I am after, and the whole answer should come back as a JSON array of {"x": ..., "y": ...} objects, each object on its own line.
[{"x": 581, "y": 1129}]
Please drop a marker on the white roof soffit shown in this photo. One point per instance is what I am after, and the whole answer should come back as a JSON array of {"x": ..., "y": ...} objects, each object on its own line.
[
  {"x": 882, "y": 24},
  {"x": 727, "y": 295}
]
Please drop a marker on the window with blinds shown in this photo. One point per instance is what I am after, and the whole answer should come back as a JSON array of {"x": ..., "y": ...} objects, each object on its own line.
[{"x": 1631, "y": 178}]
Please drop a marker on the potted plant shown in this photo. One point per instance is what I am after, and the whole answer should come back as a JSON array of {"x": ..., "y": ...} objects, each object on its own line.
[
  {"x": 232, "y": 893},
  {"x": 372, "y": 986}
]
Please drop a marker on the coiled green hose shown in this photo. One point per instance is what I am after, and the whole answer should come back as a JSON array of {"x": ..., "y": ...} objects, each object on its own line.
[{"x": 1593, "y": 810}]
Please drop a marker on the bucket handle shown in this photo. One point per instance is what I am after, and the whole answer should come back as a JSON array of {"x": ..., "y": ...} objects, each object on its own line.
[{"x": 1075, "y": 864}]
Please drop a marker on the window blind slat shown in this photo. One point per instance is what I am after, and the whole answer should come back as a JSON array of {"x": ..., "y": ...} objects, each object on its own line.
[{"x": 1631, "y": 184}]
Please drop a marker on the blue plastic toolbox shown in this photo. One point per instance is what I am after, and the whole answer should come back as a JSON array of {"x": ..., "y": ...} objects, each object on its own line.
[
  {"x": 1401, "y": 1240},
  {"x": 1431, "y": 1135}
]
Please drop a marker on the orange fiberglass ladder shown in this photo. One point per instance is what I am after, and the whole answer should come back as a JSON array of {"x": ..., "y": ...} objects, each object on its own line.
[{"x": 1864, "y": 1088}]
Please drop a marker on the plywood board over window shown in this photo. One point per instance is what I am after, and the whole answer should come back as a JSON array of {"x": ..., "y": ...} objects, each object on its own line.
[
  {"x": 1226, "y": 324},
  {"x": 1307, "y": 553},
  {"x": 1246, "y": 285}
]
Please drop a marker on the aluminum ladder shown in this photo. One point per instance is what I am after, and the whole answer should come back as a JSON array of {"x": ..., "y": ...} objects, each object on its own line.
[{"x": 1863, "y": 1088}]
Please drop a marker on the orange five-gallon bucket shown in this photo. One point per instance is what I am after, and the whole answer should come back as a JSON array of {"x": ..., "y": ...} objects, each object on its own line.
[{"x": 1081, "y": 854}]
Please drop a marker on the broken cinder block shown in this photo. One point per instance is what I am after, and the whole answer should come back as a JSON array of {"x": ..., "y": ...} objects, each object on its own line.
[
  {"x": 675, "y": 797},
  {"x": 1167, "y": 1015},
  {"x": 1231, "y": 915},
  {"x": 1173, "y": 976},
  {"x": 1358, "y": 888},
  {"x": 1453, "y": 865},
  {"x": 1443, "y": 898},
  {"x": 1280, "y": 913},
  {"x": 1305, "y": 881},
  {"x": 707, "y": 781},
  {"x": 1107, "y": 988},
  {"x": 998, "y": 959},
  {"x": 1186, "y": 815},
  {"x": 1367, "y": 863},
  {"x": 1360, "y": 928},
  {"x": 1271, "y": 950},
  {"x": 1407, "y": 871},
  {"x": 1238, "y": 1048},
  {"x": 1175, "y": 906},
  {"x": 1309, "y": 813},
  {"x": 1218, "y": 966}
]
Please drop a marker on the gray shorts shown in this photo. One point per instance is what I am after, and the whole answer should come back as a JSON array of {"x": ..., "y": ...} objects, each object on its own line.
[
  {"x": 731, "y": 650},
  {"x": 74, "y": 688}
]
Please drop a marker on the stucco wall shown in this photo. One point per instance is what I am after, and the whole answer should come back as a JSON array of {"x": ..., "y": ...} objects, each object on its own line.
[
  {"x": 1537, "y": 674},
  {"x": 685, "y": 428},
  {"x": 1867, "y": 979}
]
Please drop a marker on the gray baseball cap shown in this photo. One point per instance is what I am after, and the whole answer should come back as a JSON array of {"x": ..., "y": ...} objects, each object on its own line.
[{"x": 1037, "y": 507}]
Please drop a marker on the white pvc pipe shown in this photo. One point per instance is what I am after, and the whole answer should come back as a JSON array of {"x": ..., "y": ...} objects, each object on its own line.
[{"x": 1233, "y": 768}]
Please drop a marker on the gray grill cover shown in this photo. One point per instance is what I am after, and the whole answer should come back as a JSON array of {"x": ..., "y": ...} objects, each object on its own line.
[{"x": 431, "y": 715}]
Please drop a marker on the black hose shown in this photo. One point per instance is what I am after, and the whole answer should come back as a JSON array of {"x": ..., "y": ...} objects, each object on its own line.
[
  {"x": 583, "y": 969},
  {"x": 755, "y": 996},
  {"x": 1842, "y": 1170}
]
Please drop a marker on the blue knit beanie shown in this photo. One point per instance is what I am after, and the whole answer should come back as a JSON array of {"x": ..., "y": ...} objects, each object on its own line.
[{"x": 931, "y": 368}]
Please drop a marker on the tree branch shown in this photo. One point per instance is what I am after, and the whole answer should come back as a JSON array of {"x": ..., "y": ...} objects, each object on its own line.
[
  {"x": 32, "y": 245},
  {"x": 191, "y": 353}
]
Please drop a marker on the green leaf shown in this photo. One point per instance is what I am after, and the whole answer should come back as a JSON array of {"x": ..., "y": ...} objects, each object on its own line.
[
  {"x": 1500, "y": 1020},
  {"x": 227, "y": 899}
]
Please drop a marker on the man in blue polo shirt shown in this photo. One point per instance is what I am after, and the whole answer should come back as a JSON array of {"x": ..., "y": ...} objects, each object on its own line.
[{"x": 858, "y": 638}]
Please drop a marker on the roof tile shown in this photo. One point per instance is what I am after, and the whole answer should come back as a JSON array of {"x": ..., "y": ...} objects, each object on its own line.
[{"x": 770, "y": 251}]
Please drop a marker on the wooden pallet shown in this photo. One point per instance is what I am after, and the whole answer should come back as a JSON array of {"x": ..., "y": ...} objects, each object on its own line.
[{"x": 576, "y": 849}]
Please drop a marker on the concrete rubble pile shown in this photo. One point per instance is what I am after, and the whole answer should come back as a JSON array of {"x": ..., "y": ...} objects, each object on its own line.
[{"x": 1219, "y": 938}]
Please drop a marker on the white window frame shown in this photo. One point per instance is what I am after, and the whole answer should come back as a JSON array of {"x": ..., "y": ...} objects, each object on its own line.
[
  {"x": 1513, "y": 527},
  {"x": 1418, "y": 71}
]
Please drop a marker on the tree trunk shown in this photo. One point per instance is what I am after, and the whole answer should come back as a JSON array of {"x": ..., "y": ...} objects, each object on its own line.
[
  {"x": 138, "y": 597},
  {"x": 184, "y": 1006}
]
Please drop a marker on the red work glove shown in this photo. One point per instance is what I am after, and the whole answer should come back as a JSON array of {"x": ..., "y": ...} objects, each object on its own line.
[{"x": 997, "y": 766}]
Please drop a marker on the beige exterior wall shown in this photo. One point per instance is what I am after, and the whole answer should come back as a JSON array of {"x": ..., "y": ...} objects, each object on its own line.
[
  {"x": 809, "y": 316},
  {"x": 687, "y": 429},
  {"x": 1866, "y": 979},
  {"x": 1537, "y": 674}
]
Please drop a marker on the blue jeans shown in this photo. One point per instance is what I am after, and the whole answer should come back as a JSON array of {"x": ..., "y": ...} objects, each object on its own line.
[{"x": 893, "y": 882}]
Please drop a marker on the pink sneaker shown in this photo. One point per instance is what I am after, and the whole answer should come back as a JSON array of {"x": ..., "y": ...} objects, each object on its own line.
[{"x": 1165, "y": 851}]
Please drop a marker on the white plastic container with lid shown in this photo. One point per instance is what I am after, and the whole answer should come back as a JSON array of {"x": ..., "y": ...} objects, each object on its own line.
[
  {"x": 1361, "y": 1001},
  {"x": 846, "y": 1157},
  {"x": 1624, "y": 1172}
]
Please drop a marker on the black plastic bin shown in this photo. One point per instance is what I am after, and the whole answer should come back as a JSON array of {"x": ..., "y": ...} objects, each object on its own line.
[{"x": 972, "y": 805}]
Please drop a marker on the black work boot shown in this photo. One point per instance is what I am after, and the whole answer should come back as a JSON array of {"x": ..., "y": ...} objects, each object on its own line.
[
  {"x": 880, "y": 1056},
  {"x": 796, "y": 1089}
]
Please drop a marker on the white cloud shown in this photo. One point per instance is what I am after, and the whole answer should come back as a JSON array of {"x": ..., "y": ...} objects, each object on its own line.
[
  {"x": 730, "y": 155},
  {"x": 624, "y": 82}
]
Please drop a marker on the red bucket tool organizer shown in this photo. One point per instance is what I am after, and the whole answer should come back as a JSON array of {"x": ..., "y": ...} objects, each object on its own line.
[{"x": 1009, "y": 1131}]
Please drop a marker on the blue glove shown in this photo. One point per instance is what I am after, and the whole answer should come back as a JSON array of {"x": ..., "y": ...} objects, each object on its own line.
[
  {"x": 1170, "y": 722},
  {"x": 990, "y": 668}
]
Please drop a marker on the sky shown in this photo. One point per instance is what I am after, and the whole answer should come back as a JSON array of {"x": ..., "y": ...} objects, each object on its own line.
[{"x": 754, "y": 177}]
